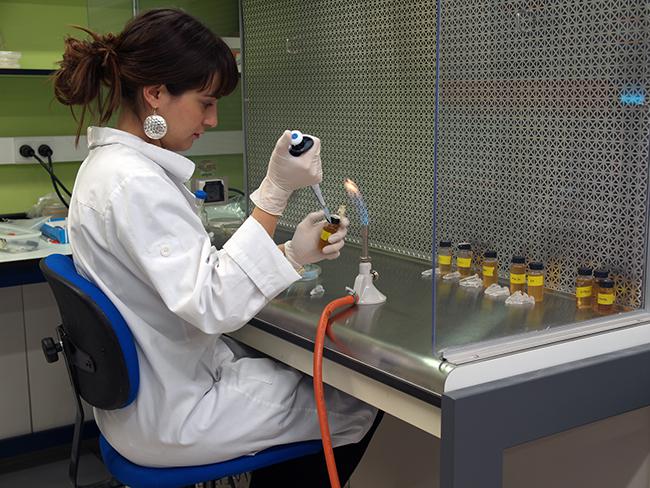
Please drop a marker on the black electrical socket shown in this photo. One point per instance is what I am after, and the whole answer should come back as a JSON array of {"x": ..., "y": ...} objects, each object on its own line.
[
  {"x": 45, "y": 150},
  {"x": 26, "y": 151}
]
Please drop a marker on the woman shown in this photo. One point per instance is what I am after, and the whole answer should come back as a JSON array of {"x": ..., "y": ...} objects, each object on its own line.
[{"x": 134, "y": 232}]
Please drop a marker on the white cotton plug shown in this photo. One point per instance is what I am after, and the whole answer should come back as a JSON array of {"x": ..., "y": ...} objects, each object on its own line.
[
  {"x": 451, "y": 276},
  {"x": 317, "y": 290},
  {"x": 495, "y": 290},
  {"x": 519, "y": 298},
  {"x": 471, "y": 282}
]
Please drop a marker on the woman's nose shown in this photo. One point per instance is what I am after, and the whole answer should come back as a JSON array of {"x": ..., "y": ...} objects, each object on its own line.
[{"x": 211, "y": 119}]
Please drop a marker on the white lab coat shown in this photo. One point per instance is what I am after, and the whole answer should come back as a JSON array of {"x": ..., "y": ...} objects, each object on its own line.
[{"x": 203, "y": 398}]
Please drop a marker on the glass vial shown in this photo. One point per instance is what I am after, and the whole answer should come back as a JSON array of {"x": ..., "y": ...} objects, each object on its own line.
[
  {"x": 329, "y": 229},
  {"x": 606, "y": 296},
  {"x": 536, "y": 281},
  {"x": 599, "y": 275},
  {"x": 517, "y": 274},
  {"x": 464, "y": 259},
  {"x": 490, "y": 268},
  {"x": 201, "y": 196},
  {"x": 444, "y": 257},
  {"x": 584, "y": 288}
]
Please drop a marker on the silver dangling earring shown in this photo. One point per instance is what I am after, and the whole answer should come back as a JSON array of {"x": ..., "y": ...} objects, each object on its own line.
[{"x": 155, "y": 126}]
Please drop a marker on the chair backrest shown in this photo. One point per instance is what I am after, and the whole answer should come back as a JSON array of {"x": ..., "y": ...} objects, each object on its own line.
[{"x": 105, "y": 362}]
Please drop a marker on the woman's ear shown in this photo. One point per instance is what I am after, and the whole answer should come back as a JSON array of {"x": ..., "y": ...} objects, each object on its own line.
[{"x": 153, "y": 95}]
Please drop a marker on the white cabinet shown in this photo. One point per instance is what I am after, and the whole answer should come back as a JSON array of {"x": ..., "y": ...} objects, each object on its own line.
[
  {"x": 14, "y": 392},
  {"x": 50, "y": 391}
]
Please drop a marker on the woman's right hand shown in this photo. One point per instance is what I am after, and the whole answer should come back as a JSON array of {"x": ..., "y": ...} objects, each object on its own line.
[{"x": 287, "y": 173}]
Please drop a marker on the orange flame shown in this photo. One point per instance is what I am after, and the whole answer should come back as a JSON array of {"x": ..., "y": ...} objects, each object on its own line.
[{"x": 351, "y": 187}]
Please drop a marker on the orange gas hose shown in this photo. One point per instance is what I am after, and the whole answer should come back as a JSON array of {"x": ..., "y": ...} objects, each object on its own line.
[{"x": 319, "y": 390}]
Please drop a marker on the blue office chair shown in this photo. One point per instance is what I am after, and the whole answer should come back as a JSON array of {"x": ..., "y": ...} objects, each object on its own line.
[{"x": 102, "y": 364}]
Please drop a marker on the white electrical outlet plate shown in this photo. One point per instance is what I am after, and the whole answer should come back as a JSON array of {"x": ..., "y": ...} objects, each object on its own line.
[
  {"x": 63, "y": 148},
  {"x": 212, "y": 143},
  {"x": 6, "y": 150}
]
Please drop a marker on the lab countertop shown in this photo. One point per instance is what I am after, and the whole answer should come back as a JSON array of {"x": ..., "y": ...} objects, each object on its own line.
[
  {"x": 45, "y": 249},
  {"x": 394, "y": 341},
  {"x": 391, "y": 342}
]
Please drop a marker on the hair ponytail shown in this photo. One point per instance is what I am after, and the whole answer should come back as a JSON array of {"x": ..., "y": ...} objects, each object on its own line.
[{"x": 88, "y": 68}]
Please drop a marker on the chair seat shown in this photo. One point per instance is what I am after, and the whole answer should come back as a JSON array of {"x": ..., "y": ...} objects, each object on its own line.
[{"x": 136, "y": 476}]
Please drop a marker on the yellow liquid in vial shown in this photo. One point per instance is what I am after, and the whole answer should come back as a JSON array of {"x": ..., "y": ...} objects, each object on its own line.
[
  {"x": 444, "y": 263},
  {"x": 594, "y": 294},
  {"x": 490, "y": 273},
  {"x": 584, "y": 292},
  {"x": 464, "y": 265},
  {"x": 517, "y": 278},
  {"x": 605, "y": 301},
  {"x": 536, "y": 285},
  {"x": 537, "y": 292}
]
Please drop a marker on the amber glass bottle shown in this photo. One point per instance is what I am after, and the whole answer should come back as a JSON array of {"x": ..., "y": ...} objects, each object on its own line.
[
  {"x": 444, "y": 257},
  {"x": 536, "y": 281},
  {"x": 606, "y": 296},
  {"x": 584, "y": 288},
  {"x": 464, "y": 259},
  {"x": 329, "y": 229},
  {"x": 599, "y": 275},
  {"x": 517, "y": 274},
  {"x": 490, "y": 268}
]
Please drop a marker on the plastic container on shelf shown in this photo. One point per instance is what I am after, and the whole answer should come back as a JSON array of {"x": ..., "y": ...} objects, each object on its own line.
[
  {"x": 10, "y": 59},
  {"x": 48, "y": 205},
  {"x": 16, "y": 239}
]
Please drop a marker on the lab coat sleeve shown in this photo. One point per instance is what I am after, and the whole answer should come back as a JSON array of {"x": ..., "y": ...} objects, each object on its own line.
[{"x": 159, "y": 235}]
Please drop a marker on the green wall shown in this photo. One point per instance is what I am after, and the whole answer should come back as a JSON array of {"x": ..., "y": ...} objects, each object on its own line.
[
  {"x": 37, "y": 28},
  {"x": 108, "y": 15},
  {"x": 222, "y": 16}
]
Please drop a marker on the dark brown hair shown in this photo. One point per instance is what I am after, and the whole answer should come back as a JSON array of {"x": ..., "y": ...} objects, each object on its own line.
[{"x": 162, "y": 46}]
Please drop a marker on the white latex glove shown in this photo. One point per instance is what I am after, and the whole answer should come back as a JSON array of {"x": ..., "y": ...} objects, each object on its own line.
[
  {"x": 287, "y": 173},
  {"x": 303, "y": 247}
]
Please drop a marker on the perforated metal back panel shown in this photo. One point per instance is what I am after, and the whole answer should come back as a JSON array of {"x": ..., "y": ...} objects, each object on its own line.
[
  {"x": 359, "y": 75},
  {"x": 543, "y": 134}
]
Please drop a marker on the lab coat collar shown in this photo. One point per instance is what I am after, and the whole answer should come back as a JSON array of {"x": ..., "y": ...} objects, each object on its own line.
[{"x": 178, "y": 166}]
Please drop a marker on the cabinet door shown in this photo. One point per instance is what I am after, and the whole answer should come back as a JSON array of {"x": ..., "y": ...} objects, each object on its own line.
[
  {"x": 51, "y": 394},
  {"x": 14, "y": 392}
]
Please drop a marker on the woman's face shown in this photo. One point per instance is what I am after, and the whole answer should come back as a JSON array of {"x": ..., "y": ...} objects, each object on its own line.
[{"x": 188, "y": 116}]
